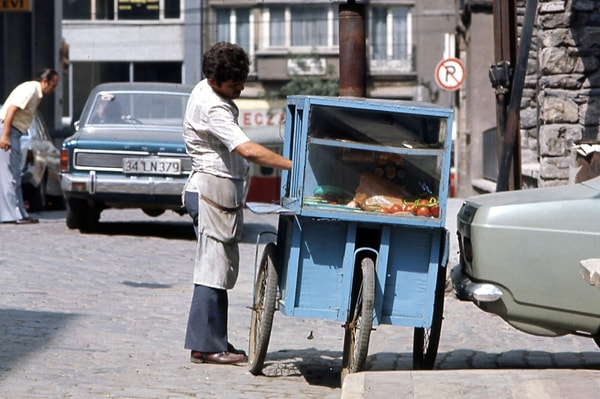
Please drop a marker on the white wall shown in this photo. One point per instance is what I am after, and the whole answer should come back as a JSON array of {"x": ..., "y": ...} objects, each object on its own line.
[{"x": 105, "y": 42}]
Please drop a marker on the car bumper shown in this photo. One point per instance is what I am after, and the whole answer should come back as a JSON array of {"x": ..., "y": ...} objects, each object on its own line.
[
  {"x": 468, "y": 290},
  {"x": 94, "y": 184}
]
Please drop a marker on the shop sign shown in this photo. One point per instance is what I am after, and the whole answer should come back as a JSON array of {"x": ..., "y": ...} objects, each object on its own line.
[
  {"x": 15, "y": 5},
  {"x": 261, "y": 118}
]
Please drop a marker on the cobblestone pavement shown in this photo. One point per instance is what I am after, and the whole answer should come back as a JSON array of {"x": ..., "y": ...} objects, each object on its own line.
[{"x": 103, "y": 315}]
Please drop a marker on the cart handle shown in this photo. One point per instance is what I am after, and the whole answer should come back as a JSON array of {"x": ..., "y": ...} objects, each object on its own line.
[{"x": 264, "y": 208}]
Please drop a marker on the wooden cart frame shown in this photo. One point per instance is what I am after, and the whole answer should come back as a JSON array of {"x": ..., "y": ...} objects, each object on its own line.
[{"x": 360, "y": 268}]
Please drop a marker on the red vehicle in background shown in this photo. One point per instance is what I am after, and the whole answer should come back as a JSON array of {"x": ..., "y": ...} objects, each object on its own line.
[{"x": 263, "y": 122}]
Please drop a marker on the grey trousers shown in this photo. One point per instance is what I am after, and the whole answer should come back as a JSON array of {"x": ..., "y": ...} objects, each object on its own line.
[{"x": 12, "y": 205}]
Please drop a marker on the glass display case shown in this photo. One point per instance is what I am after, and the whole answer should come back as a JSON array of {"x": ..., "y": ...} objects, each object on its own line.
[{"x": 367, "y": 159}]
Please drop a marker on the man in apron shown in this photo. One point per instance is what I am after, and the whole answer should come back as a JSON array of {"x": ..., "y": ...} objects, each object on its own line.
[{"x": 214, "y": 196}]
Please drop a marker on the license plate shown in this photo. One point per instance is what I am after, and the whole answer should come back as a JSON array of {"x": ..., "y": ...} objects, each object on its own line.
[{"x": 155, "y": 166}]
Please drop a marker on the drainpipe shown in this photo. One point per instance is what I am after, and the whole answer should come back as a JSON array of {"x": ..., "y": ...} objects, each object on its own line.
[
  {"x": 510, "y": 154},
  {"x": 352, "y": 46}
]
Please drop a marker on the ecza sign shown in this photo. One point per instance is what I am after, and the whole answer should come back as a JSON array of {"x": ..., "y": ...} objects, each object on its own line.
[
  {"x": 260, "y": 118},
  {"x": 15, "y": 5}
]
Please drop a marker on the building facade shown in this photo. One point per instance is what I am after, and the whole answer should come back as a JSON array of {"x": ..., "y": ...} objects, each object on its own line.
[
  {"x": 293, "y": 47},
  {"x": 559, "y": 106},
  {"x": 292, "y": 41},
  {"x": 163, "y": 40}
]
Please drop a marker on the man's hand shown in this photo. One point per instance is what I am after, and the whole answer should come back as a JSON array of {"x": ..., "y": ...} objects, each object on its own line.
[{"x": 5, "y": 143}]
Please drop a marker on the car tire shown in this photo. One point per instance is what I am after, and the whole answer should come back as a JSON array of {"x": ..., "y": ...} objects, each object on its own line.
[
  {"x": 80, "y": 215},
  {"x": 76, "y": 209},
  {"x": 36, "y": 196},
  {"x": 55, "y": 202}
]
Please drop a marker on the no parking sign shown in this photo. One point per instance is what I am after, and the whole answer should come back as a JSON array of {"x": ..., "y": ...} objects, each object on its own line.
[{"x": 450, "y": 74}]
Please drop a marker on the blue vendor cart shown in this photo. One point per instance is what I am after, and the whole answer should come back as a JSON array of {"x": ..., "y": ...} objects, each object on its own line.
[{"x": 361, "y": 236}]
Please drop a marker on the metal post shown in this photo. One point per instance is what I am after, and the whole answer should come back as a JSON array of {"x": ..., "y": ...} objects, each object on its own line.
[
  {"x": 501, "y": 73},
  {"x": 352, "y": 45}
]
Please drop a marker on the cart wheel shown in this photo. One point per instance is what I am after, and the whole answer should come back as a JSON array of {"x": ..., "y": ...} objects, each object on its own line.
[
  {"x": 265, "y": 295},
  {"x": 360, "y": 322},
  {"x": 426, "y": 340}
]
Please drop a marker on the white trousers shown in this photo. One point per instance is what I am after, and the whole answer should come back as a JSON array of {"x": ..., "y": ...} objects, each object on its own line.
[{"x": 12, "y": 205}]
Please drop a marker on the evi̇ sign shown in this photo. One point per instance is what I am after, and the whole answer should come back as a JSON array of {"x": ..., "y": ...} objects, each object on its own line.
[{"x": 15, "y": 5}]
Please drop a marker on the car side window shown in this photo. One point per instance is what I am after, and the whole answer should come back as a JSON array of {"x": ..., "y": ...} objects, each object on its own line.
[{"x": 41, "y": 131}]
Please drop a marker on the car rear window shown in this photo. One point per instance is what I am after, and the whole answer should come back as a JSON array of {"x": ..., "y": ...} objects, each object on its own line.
[{"x": 147, "y": 108}]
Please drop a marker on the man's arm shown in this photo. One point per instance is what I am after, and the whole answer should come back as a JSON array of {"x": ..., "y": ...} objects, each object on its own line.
[
  {"x": 5, "y": 139},
  {"x": 261, "y": 155}
]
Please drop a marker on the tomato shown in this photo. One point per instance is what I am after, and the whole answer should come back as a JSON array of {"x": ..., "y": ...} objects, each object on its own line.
[
  {"x": 435, "y": 210},
  {"x": 407, "y": 206},
  {"x": 396, "y": 208},
  {"x": 422, "y": 211}
]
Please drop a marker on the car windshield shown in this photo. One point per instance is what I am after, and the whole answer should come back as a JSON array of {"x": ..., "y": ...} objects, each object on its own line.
[{"x": 147, "y": 108}]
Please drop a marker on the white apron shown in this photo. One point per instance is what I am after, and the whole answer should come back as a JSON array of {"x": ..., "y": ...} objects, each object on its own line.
[{"x": 220, "y": 223}]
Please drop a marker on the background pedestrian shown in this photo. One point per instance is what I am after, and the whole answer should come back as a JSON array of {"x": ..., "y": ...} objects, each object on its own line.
[{"x": 16, "y": 115}]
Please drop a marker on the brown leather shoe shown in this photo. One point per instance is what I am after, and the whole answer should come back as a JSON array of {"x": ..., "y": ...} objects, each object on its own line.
[
  {"x": 223, "y": 358},
  {"x": 196, "y": 357},
  {"x": 233, "y": 349}
]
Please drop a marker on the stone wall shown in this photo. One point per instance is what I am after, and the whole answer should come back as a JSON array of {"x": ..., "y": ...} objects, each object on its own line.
[{"x": 560, "y": 103}]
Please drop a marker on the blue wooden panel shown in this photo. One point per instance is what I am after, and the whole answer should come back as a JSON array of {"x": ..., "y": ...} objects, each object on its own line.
[
  {"x": 321, "y": 263},
  {"x": 407, "y": 282},
  {"x": 313, "y": 257}
]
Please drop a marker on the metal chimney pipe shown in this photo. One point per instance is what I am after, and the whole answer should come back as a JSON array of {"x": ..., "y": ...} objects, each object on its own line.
[{"x": 352, "y": 46}]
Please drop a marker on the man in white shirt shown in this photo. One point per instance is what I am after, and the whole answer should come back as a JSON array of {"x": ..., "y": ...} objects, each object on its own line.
[{"x": 16, "y": 116}]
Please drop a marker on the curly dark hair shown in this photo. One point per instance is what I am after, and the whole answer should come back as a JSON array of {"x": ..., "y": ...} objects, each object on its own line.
[{"x": 226, "y": 61}]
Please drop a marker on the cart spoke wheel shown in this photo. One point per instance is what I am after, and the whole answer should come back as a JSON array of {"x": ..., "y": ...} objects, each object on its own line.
[
  {"x": 426, "y": 340},
  {"x": 265, "y": 296},
  {"x": 360, "y": 322}
]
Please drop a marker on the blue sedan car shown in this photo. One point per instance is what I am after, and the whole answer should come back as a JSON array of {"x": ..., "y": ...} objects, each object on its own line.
[{"x": 127, "y": 152}]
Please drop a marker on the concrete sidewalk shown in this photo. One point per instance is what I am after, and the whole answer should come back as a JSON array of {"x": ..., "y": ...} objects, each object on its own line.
[{"x": 480, "y": 384}]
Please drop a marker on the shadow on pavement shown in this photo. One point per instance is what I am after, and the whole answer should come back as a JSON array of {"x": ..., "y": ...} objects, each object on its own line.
[
  {"x": 323, "y": 368},
  {"x": 25, "y": 333},
  {"x": 464, "y": 359},
  {"x": 173, "y": 230},
  {"x": 168, "y": 230},
  {"x": 317, "y": 367},
  {"x": 517, "y": 359}
]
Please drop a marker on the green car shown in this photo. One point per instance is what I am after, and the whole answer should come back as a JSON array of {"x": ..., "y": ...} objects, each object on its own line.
[
  {"x": 521, "y": 253},
  {"x": 127, "y": 152}
]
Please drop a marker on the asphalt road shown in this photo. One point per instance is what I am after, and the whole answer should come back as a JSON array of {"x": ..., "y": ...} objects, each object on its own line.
[{"x": 103, "y": 315}]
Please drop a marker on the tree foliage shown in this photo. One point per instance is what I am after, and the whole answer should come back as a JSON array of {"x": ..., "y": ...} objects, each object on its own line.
[{"x": 301, "y": 83}]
